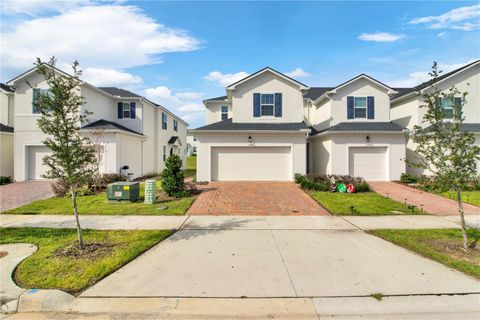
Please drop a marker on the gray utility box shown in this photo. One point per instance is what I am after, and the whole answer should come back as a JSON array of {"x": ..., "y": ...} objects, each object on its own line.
[{"x": 123, "y": 191}]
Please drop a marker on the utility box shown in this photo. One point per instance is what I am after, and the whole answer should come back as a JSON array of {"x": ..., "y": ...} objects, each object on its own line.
[
  {"x": 150, "y": 192},
  {"x": 123, "y": 191}
]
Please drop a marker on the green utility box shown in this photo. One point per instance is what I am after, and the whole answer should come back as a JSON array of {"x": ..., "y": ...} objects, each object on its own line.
[{"x": 123, "y": 191}]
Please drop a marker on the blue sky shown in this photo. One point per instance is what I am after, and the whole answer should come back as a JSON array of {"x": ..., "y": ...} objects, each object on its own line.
[{"x": 179, "y": 53}]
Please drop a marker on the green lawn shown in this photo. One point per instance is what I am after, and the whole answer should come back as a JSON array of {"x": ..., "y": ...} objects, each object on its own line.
[
  {"x": 48, "y": 269},
  {"x": 472, "y": 197},
  {"x": 98, "y": 204},
  {"x": 442, "y": 245},
  {"x": 364, "y": 203},
  {"x": 191, "y": 167}
]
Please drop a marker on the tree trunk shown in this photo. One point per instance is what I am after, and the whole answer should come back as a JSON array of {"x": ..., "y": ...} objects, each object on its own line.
[
  {"x": 75, "y": 212},
  {"x": 462, "y": 219}
]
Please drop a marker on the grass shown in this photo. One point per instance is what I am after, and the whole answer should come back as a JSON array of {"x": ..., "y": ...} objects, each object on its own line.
[
  {"x": 191, "y": 167},
  {"x": 47, "y": 269},
  {"x": 98, "y": 204},
  {"x": 364, "y": 203},
  {"x": 471, "y": 197},
  {"x": 441, "y": 245}
]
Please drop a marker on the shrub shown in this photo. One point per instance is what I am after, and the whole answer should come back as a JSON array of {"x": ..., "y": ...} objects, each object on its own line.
[
  {"x": 108, "y": 178},
  {"x": 330, "y": 182},
  {"x": 172, "y": 177},
  {"x": 147, "y": 175},
  {"x": 60, "y": 188},
  {"x": 299, "y": 178},
  {"x": 5, "y": 180},
  {"x": 408, "y": 178},
  {"x": 362, "y": 187}
]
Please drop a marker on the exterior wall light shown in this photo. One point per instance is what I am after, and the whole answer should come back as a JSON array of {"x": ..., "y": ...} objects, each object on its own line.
[
  {"x": 249, "y": 139},
  {"x": 368, "y": 139}
]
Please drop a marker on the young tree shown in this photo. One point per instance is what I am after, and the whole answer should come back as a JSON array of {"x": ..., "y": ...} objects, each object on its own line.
[
  {"x": 72, "y": 155},
  {"x": 446, "y": 150},
  {"x": 172, "y": 177}
]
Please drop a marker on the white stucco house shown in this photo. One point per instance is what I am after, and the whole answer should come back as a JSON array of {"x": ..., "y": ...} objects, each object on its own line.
[
  {"x": 6, "y": 131},
  {"x": 406, "y": 111},
  {"x": 191, "y": 144},
  {"x": 136, "y": 132},
  {"x": 269, "y": 127}
]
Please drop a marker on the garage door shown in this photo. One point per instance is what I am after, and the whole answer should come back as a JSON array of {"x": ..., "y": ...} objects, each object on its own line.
[
  {"x": 251, "y": 163},
  {"x": 369, "y": 163},
  {"x": 35, "y": 163}
]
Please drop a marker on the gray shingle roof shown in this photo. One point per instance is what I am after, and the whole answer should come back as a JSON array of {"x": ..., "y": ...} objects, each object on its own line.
[
  {"x": 230, "y": 125},
  {"x": 172, "y": 140},
  {"x": 470, "y": 127},
  {"x": 4, "y": 128},
  {"x": 221, "y": 98},
  {"x": 119, "y": 92},
  {"x": 363, "y": 126},
  {"x": 6, "y": 88},
  {"x": 315, "y": 92},
  {"x": 107, "y": 125}
]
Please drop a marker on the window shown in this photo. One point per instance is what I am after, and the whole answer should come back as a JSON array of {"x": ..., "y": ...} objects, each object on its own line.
[
  {"x": 194, "y": 138},
  {"x": 164, "y": 121},
  {"x": 360, "y": 107},
  {"x": 194, "y": 149},
  {"x": 448, "y": 106},
  {"x": 126, "y": 110},
  {"x": 267, "y": 104},
  {"x": 36, "y": 94},
  {"x": 175, "y": 125},
  {"x": 224, "y": 112},
  {"x": 164, "y": 153}
]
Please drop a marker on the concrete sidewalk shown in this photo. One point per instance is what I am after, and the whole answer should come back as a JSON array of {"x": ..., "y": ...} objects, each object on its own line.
[
  {"x": 53, "y": 304},
  {"x": 237, "y": 222}
]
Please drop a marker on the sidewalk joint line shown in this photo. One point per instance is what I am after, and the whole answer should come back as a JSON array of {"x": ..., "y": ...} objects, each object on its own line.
[{"x": 283, "y": 261}]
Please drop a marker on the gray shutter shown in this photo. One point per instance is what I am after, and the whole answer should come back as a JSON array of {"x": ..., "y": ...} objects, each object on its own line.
[
  {"x": 132, "y": 110},
  {"x": 120, "y": 110},
  {"x": 457, "y": 109},
  {"x": 35, "y": 95},
  {"x": 256, "y": 104},
  {"x": 370, "y": 107},
  {"x": 350, "y": 113},
  {"x": 278, "y": 104}
]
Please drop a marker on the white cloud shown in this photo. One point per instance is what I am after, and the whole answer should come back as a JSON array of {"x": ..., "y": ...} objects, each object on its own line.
[
  {"x": 225, "y": 79},
  {"x": 191, "y": 111},
  {"x": 110, "y": 37},
  {"x": 464, "y": 18},
  {"x": 298, "y": 73},
  {"x": 441, "y": 34},
  {"x": 38, "y": 7},
  {"x": 188, "y": 95},
  {"x": 417, "y": 77},
  {"x": 110, "y": 77},
  {"x": 381, "y": 37}
]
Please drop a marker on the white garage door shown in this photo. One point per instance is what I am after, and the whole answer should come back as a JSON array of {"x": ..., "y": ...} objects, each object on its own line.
[
  {"x": 369, "y": 163},
  {"x": 35, "y": 162},
  {"x": 251, "y": 163}
]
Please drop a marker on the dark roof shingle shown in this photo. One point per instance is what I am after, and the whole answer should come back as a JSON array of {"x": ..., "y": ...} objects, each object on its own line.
[
  {"x": 364, "y": 126},
  {"x": 6, "y": 88},
  {"x": 4, "y": 128},
  {"x": 108, "y": 125},
  {"x": 221, "y": 98},
  {"x": 119, "y": 92},
  {"x": 470, "y": 127},
  {"x": 230, "y": 125},
  {"x": 315, "y": 92}
]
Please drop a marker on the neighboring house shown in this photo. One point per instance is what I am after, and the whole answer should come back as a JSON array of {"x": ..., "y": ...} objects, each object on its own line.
[
  {"x": 191, "y": 144},
  {"x": 406, "y": 111},
  {"x": 134, "y": 131},
  {"x": 6, "y": 131}
]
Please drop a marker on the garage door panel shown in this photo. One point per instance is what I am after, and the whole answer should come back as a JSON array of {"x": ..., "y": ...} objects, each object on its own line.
[
  {"x": 251, "y": 163},
  {"x": 36, "y": 168},
  {"x": 368, "y": 162}
]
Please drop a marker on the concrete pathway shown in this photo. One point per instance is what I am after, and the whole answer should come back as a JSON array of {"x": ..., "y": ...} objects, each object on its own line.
[
  {"x": 255, "y": 199},
  {"x": 237, "y": 222},
  {"x": 19, "y": 193},
  {"x": 53, "y": 304},
  {"x": 279, "y": 263},
  {"x": 431, "y": 203},
  {"x": 9, "y": 291}
]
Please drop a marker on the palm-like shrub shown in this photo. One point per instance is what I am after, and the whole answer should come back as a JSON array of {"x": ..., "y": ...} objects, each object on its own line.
[{"x": 172, "y": 177}]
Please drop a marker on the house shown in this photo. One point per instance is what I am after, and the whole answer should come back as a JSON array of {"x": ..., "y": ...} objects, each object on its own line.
[
  {"x": 406, "y": 111},
  {"x": 269, "y": 126},
  {"x": 191, "y": 144},
  {"x": 136, "y": 134},
  {"x": 6, "y": 131}
]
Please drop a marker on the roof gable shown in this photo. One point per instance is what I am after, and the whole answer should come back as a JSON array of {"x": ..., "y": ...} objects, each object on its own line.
[{"x": 268, "y": 70}]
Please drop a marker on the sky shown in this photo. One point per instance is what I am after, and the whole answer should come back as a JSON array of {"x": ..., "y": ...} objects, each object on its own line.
[{"x": 180, "y": 53}]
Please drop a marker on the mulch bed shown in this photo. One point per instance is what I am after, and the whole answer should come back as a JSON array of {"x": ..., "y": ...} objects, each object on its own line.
[
  {"x": 90, "y": 251},
  {"x": 454, "y": 249},
  {"x": 3, "y": 254}
]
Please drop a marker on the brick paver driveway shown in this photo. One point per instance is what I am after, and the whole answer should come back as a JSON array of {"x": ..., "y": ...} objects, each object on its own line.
[
  {"x": 431, "y": 203},
  {"x": 19, "y": 193},
  {"x": 254, "y": 198}
]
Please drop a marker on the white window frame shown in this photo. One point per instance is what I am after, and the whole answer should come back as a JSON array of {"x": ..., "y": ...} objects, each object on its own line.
[
  {"x": 126, "y": 104},
  {"x": 448, "y": 107},
  {"x": 355, "y": 107},
  {"x": 164, "y": 121},
  {"x": 222, "y": 113},
  {"x": 267, "y": 104},
  {"x": 175, "y": 125}
]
